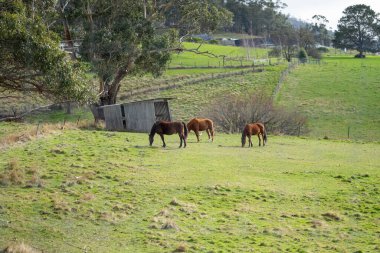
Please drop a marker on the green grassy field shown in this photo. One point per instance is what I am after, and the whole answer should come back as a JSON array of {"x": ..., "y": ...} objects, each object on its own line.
[
  {"x": 342, "y": 92},
  {"x": 233, "y": 55},
  {"x": 98, "y": 191}
]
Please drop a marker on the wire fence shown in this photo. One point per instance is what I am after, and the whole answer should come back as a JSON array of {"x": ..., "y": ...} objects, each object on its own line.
[{"x": 166, "y": 86}]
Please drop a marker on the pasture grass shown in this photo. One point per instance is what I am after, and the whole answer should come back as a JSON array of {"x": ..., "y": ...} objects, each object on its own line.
[
  {"x": 110, "y": 192},
  {"x": 341, "y": 93},
  {"x": 193, "y": 100},
  {"x": 234, "y": 56}
]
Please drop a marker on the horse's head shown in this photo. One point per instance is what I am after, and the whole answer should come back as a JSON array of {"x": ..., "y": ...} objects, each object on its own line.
[
  {"x": 152, "y": 133},
  {"x": 151, "y": 139}
]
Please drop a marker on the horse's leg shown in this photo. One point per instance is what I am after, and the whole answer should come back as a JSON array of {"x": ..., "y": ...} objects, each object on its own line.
[
  {"x": 163, "y": 141},
  {"x": 184, "y": 141},
  {"x": 250, "y": 141},
  {"x": 196, "y": 133},
  {"x": 208, "y": 131},
  {"x": 180, "y": 138},
  {"x": 258, "y": 136},
  {"x": 212, "y": 134}
]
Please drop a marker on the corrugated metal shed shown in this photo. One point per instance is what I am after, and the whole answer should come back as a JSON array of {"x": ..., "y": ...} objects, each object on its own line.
[{"x": 136, "y": 116}]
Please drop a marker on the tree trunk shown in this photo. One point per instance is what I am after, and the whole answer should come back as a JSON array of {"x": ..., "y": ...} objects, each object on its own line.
[
  {"x": 66, "y": 29},
  {"x": 109, "y": 91},
  {"x": 68, "y": 108}
]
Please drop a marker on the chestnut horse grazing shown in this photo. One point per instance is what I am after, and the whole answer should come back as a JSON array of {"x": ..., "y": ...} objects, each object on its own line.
[
  {"x": 254, "y": 129},
  {"x": 201, "y": 124},
  {"x": 165, "y": 127}
]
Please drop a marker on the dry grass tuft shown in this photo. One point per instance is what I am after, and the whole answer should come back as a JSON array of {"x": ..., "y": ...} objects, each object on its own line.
[
  {"x": 80, "y": 179},
  {"x": 20, "y": 248},
  {"x": 175, "y": 202},
  {"x": 35, "y": 180},
  {"x": 169, "y": 224},
  {"x": 34, "y": 131},
  {"x": 88, "y": 197},
  {"x": 181, "y": 248},
  {"x": 332, "y": 216},
  {"x": 108, "y": 217},
  {"x": 12, "y": 175},
  {"x": 318, "y": 224},
  {"x": 60, "y": 205},
  {"x": 164, "y": 213}
]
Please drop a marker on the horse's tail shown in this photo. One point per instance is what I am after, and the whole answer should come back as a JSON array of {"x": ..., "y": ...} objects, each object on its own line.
[
  {"x": 189, "y": 125},
  {"x": 185, "y": 131},
  {"x": 243, "y": 138},
  {"x": 264, "y": 135},
  {"x": 212, "y": 129}
]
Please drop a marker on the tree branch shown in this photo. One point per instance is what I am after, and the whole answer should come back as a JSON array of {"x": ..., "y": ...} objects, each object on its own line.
[{"x": 18, "y": 117}]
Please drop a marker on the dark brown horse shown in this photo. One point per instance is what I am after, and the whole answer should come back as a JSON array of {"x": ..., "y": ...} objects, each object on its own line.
[
  {"x": 202, "y": 124},
  {"x": 254, "y": 129},
  {"x": 165, "y": 127}
]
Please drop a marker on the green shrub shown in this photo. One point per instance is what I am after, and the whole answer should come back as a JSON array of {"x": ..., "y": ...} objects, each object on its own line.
[
  {"x": 302, "y": 55},
  {"x": 314, "y": 53},
  {"x": 275, "y": 52},
  {"x": 323, "y": 49},
  {"x": 214, "y": 42},
  {"x": 194, "y": 39}
]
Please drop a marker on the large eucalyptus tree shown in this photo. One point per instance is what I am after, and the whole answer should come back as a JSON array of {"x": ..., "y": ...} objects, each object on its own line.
[
  {"x": 358, "y": 29},
  {"x": 125, "y": 37},
  {"x": 31, "y": 60}
]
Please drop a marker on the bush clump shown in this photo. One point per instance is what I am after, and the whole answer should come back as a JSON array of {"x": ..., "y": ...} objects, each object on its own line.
[
  {"x": 232, "y": 113},
  {"x": 302, "y": 55}
]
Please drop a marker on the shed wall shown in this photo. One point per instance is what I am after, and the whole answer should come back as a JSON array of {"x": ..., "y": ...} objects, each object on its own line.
[
  {"x": 136, "y": 116},
  {"x": 113, "y": 117},
  {"x": 140, "y": 116}
]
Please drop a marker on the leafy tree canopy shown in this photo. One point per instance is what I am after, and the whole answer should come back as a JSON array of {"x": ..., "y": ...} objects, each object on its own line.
[
  {"x": 123, "y": 37},
  {"x": 32, "y": 60},
  {"x": 358, "y": 29}
]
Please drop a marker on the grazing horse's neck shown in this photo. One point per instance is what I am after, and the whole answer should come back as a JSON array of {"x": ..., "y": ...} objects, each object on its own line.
[{"x": 153, "y": 130}]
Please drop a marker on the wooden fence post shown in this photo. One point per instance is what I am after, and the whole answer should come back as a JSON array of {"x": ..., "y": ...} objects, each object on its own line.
[{"x": 38, "y": 126}]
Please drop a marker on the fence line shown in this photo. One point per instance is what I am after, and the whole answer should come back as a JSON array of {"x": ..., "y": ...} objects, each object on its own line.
[
  {"x": 211, "y": 76},
  {"x": 292, "y": 65},
  {"x": 255, "y": 63},
  {"x": 283, "y": 75}
]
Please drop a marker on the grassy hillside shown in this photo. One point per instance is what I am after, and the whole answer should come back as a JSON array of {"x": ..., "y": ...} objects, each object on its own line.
[
  {"x": 340, "y": 93},
  {"x": 20, "y": 102},
  {"x": 100, "y": 191},
  {"x": 97, "y": 191},
  {"x": 233, "y": 55},
  {"x": 191, "y": 99}
]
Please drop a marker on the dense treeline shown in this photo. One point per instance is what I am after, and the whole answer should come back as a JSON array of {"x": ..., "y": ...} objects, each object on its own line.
[{"x": 255, "y": 17}]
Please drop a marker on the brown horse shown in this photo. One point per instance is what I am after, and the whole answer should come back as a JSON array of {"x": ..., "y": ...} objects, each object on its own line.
[
  {"x": 254, "y": 129},
  {"x": 201, "y": 124},
  {"x": 165, "y": 127}
]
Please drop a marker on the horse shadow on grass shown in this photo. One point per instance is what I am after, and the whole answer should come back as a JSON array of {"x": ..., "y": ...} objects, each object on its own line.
[{"x": 155, "y": 147}]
